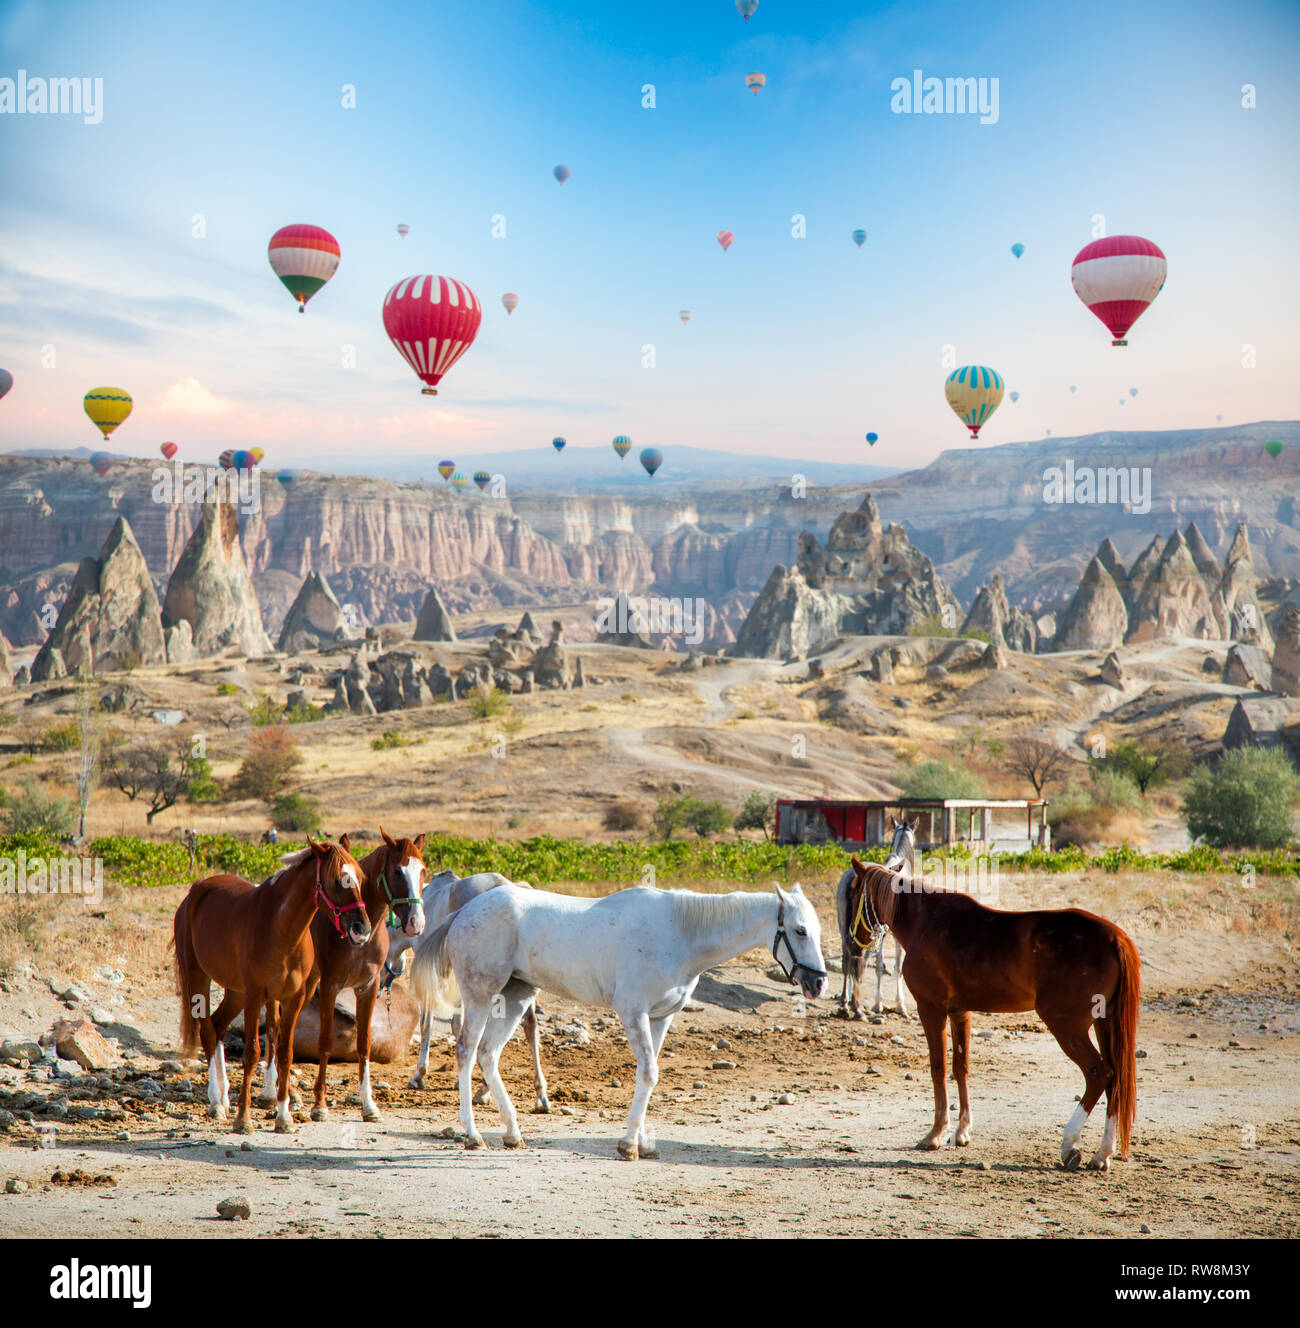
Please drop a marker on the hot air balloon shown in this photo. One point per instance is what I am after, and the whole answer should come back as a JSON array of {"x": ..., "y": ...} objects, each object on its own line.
[
  {"x": 432, "y": 321},
  {"x": 227, "y": 459},
  {"x": 754, "y": 82},
  {"x": 1132, "y": 391},
  {"x": 974, "y": 392},
  {"x": 746, "y": 8},
  {"x": 445, "y": 468},
  {"x": 257, "y": 453},
  {"x": 510, "y": 300},
  {"x": 1117, "y": 278},
  {"x": 482, "y": 479},
  {"x": 724, "y": 239},
  {"x": 685, "y": 316},
  {"x": 403, "y": 229},
  {"x": 1274, "y": 448},
  {"x": 107, "y": 408},
  {"x": 561, "y": 173},
  {"x": 558, "y": 444},
  {"x": 1017, "y": 249},
  {"x": 287, "y": 477},
  {"x": 101, "y": 462},
  {"x": 169, "y": 450},
  {"x": 1015, "y": 396},
  {"x": 1219, "y": 418},
  {"x": 622, "y": 445},
  {"x": 652, "y": 458},
  {"x": 1049, "y": 433},
  {"x": 873, "y": 439},
  {"x": 6, "y": 381},
  {"x": 459, "y": 480},
  {"x": 859, "y": 237},
  {"x": 304, "y": 258},
  {"x": 243, "y": 460},
  {"x": 1072, "y": 387}
]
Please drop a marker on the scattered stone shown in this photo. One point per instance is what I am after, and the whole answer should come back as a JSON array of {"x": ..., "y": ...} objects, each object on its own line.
[
  {"x": 80, "y": 1041},
  {"x": 235, "y": 1208},
  {"x": 15, "y": 1186},
  {"x": 1144, "y": 1229},
  {"x": 785, "y": 1100},
  {"x": 724, "y": 1065}
]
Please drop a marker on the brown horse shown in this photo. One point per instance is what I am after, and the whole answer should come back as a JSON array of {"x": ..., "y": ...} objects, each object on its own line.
[
  {"x": 1076, "y": 970},
  {"x": 255, "y": 941},
  {"x": 394, "y": 878}
]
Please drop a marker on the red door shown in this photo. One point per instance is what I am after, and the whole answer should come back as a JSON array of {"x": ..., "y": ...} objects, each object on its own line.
[{"x": 855, "y": 824}]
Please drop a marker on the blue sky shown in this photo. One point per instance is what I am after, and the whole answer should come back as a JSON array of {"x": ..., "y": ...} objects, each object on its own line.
[{"x": 796, "y": 346}]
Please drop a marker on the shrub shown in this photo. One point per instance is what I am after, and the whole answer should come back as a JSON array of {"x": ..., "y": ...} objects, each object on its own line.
[
  {"x": 60, "y": 737},
  {"x": 227, "y": 689},
  {"x": 758, "y": 812},
  {"x": 266, "y": 710},
  {"x": 271, "y": 758},
  {"x": 32, "y": 810},
  {"x": 937, "y": 779},
  {"x": 1147, "y": 766},
  {"x": 930, "y": 625},
  {"x": 1246, "y": 802},
  {"x": 388, "y": 739},
  {"x": 1114, "y": 790},
  {"x": 706, "y": 818},
  {"x": 669, "y": 815},
  {"x": 623, "y": 816},
  {"x": 978, "y": 634},
  {"x": 297, "y": 813},
  {"x": 485, "y": 702}
]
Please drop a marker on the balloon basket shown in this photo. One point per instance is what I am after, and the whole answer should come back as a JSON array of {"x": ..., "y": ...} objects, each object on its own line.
[
  {"x": 428, "y": 391},
  {"x": 1121, "y": 342}
]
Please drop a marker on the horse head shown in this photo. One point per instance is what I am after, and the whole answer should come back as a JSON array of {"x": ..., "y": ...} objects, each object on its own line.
[
  {"x": 339, "y": 880},
  {"x": 902, "y": 851},
  {"x": 402, "y": 879},
  {"x": 798, "y": 929}
]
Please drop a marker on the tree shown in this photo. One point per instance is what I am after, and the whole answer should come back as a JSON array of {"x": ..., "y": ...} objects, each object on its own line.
[
  {"x": 758, "y": 812},
  {"x": 1149, "y": 765},
  {"x": 1039, "y": 761},
  {"x": 937, "y": 779},
  {"x": 669, "y": 815},
  {"x": 269, "y": 759},
  {"x": 161, "y": 773},
  {"x": 1246, "y": 802},
  {"x": 83, "y": 758},
  {"x": 706, "y": 818}
]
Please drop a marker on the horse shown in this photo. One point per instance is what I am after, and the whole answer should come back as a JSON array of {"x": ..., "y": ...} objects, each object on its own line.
[
  {"x": 640, "y": 952},
  {"x": 902, "y": 857},
  {"x": 255, "y": 941},
  {"x": 342, "y": 963},
  {"x": 1076, "y": 970},
  {"x": 444, "y": 896}
]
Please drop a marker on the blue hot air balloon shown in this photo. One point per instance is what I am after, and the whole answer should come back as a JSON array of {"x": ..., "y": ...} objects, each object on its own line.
[
  {"x": 873, "y": 438},
  {"x": 1017, "y": 249},
  {"x": 746, "y": 7},
  {"x": 652, "y": 458},
  {"x": 558, "y": 444},
  {"x": 287, "y": 477},
  {"x": 482, "y": 479},
  {"x": 859, "y": 238},
  {"x": 561, "y": 173},
  {"x": 6, "y": 381}
]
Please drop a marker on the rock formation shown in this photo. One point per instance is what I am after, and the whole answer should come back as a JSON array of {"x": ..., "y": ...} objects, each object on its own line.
[
  {"x": 992, "y": 617},
  {"x": 314, "y": 618},
  {"x": 1096, "y": 618},
  {"x": 434, "y": 622},
  {"x": 1112, "y": 672},
  {"x": 1286, "y": 654},
  {"x": 1247, "y": 666},
  {"x": 6, "y": 663},
  {"x": 1237, "y": 590},
  {"x": 110, "y": 618},
  {"x": 1202, "y": 555},
  {"x": 550, "y": 666},
  {"x": 212, "y": 590},
  {"x": 1173, "y": 601}
]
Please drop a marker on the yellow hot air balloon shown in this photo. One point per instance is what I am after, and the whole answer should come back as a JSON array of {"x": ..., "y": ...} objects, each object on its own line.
[
  {"x": 257, "y": 453},
  {"x": 107, "y": 408},
  {"x": 974, "y": 392}
]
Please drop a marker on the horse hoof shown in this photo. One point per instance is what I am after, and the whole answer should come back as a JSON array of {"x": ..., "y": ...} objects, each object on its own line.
[
  {"x": 961, "y": 1140},
  {"x": 930, "y": 1144},
  {"x": 1099, "y": 1164},
  {"x": 218, "y": 1113},
  {"x": 627, "y": 1151},
  {"x": 320, "y": 1113},
  {"x": 651, "y": 1151},
  {"x": 542, "y": 1107},
  {"x": 513, "y": 1141},
  {"x": 285, "y": 1126},
  {"x": 473, "y": 1141},
  {"x": 1072, "y": 1159},
  {"x": 415, "y": 1081},
  {"x": 243, "y": 1125},
  {"x": 372, "y": 1116}
]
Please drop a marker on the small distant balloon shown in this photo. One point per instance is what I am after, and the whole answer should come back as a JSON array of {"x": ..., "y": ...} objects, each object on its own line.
[
  {"x": 652, "y": 458},
  {"x": 724, "y": 239},
  {"x": 1049, "y": 433},
  {"x": 287, "y": 477},
  {"x": 1219, "y": 418},
  {"x": 1132, "y": 391},
  {"x": 755, "y": 81},
  {"x": 1073, "y": 388},
  {"x": 510, "y": 300},
  {"x": 561, "y": 173},
  {"x": 859, "y": 237},
  {"x": 873, "y": 439},
  {"x": 745, "y": 8},
  {"x": 101, "y": 462},
  {"x": 6, "y": 381},
  {"x": 227, "y": 459},
  {"x": 403, "y": 229},
  {"x": 445, "y": 469},
  {"x": 1015, "y": 396},
  {"x": 482, "y": 479},
  {"x": 459, "y": 480},
  {"x": 1017, "y": 249},
  {"x": 1274, "y": 448},
  {"x": 169, "y": 450},
  {"x": 622, "y": 445},
  {"x": 559, "y": 443},
  {"x": 685, "y": 316}
]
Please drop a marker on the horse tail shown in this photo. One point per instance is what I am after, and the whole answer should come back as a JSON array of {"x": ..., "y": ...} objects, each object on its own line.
[
  {"x": 1123, "y": 1022},
  {"x": 181, "y": 960},
  {"x": 432, "y": 979}
]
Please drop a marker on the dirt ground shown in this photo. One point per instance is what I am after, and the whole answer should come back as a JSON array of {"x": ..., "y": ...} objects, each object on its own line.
[{"x": 1217, "y": 1149}]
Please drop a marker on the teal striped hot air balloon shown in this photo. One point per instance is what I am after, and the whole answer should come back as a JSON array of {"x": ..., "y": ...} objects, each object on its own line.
[
  {"x": 859, "y": 237},
  {"x": 482, "y": 479},
  {"x": 974, "y": 392},
  {"x": 559, "y": 444},
  {"x": 622, "y": 445},
  {"x": 459, "y": 480}
]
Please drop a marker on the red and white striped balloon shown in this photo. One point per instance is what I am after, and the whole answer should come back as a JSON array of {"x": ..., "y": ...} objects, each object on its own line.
[
  {"x": 432, "y": 321},
  {"x": 1117, "y": 278}
]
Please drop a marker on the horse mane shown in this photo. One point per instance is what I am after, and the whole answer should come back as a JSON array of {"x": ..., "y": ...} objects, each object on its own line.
[
  {"x": 700, "y": 916},
  {"x": 289, "y": 861}
]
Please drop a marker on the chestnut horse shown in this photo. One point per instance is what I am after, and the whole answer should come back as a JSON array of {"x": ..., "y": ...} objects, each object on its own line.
[
  {"x": 255, "y": 941},
  {"x": 394, "y": 876},
  {"x": 1075, "y": 970}
]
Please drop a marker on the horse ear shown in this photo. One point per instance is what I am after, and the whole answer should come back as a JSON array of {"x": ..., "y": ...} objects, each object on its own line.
[
  {"x": 318, "y": 849},
  {"x": 418, "y": 841},
  {"x": 388, "y": 839},
  {"x": 859, "y": 867},
  {"x": 345, "y": 842}
]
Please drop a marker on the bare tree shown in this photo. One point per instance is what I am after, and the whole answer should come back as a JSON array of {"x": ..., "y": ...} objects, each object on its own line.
[
  {"x": 155, "y": 771},
  {"x": 83, "y": 758},
  {"x": 1039, "y": 761}
]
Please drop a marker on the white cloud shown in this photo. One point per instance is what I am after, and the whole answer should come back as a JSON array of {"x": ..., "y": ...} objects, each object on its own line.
[{"x": 190, "y": 397}]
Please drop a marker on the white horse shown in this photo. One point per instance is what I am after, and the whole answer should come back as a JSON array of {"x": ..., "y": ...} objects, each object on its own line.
[
  {"x": 640, "y": 951},
  {"x": 902, "y": 859},
  {"x": 444, "y": 896}
]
